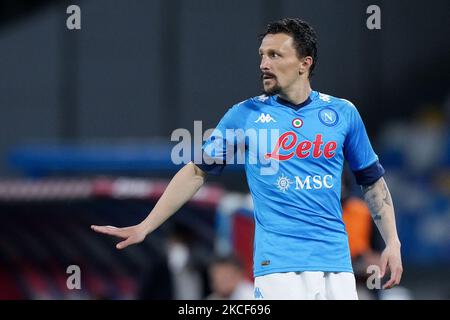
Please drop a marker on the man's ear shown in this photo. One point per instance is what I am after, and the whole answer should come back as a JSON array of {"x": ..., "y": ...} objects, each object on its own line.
[{"x": 305, "y": 64}]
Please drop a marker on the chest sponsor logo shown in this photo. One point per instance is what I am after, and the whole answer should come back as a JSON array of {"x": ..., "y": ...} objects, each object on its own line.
[
  {"x": 314, "y": 182},
  {"x": 288, "y": 147},
  {"x": 283, "y": 183},
  {"x": 310, "y": 182}
]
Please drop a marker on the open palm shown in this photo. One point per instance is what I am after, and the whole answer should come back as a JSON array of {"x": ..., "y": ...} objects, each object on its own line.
[{"x": 131, "y": 235}]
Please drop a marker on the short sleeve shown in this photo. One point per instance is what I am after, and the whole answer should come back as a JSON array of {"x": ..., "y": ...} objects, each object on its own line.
[
  {"x": 223, "y": 143},
  {"x": 358, "y": 150}
]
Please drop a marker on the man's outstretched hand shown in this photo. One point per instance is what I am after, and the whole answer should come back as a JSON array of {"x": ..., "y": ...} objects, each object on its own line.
[{"x": 132, "y": 235}]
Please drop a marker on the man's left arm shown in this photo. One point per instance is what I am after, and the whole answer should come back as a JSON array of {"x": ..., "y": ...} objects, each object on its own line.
[{"x": 379, "y": 200}]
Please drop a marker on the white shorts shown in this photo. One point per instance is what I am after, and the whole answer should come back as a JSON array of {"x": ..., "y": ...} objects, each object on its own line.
[{"x": 306, "y": 285}]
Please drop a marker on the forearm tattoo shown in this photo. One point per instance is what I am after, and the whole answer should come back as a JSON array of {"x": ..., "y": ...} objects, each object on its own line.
[{"x": 377, "y": 197}]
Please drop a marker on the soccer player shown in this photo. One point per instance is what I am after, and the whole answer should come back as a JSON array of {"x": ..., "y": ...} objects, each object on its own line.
[{"x": 301, "y": 248}]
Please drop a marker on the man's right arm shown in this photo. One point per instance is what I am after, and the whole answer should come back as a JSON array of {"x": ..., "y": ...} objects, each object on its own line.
[
  {"x": 180, "y": 190},
  {"x": 183, "y": 186}
]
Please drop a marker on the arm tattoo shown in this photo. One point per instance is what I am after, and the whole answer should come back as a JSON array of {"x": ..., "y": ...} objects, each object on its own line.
[{"x": 377, "y": 197}]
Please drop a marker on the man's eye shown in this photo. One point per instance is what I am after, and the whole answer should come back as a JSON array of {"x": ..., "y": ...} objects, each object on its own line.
[{"x": 274, "y": 55}]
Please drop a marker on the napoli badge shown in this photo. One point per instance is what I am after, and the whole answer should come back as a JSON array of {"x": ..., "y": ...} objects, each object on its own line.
[{"x": 328, "y": 117}]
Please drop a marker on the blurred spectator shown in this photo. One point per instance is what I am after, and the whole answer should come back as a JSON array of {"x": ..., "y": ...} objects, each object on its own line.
[
  {"x": 175, "y": 272},
  {"x": 227, "y": 280},
  {"x": 186, "y": 276}
]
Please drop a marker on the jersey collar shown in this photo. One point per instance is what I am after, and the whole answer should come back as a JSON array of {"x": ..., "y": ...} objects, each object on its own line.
[{"x": 296, "y": 107}]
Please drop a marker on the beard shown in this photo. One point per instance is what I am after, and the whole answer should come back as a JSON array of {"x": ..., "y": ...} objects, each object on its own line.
[{"x": 272, "y": 89}]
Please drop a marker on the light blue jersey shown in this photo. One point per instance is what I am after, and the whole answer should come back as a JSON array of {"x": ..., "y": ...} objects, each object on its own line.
[{"x": 294, "y": 160}]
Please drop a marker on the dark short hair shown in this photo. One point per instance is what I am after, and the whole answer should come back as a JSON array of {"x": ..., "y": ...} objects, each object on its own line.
[
  {"x": 303, "y": 35},
  {"x": 230, "y": 259}
]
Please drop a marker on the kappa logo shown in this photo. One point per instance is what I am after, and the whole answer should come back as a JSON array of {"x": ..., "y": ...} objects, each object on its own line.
[
  {"x": 265, "y": 118},
  {"x": 262, "y": 98},
  {"x": 324, "y": 97},
  {"x": 258, "y": 294}
]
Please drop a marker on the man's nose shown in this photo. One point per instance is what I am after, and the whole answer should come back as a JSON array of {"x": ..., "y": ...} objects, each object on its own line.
[{"x": 265, "y": 64}]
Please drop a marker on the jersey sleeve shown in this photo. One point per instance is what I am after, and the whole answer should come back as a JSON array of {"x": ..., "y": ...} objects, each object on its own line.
[
  {"x": 222, "y": 144},
  {"x": 358, "y": 150}
]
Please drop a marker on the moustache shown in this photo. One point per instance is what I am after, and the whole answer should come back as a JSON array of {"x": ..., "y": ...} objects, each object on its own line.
[{"x": 267, "y": 75}]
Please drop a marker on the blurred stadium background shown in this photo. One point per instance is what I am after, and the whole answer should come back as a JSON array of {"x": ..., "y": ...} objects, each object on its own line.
[{"x": 87, "y": 117}]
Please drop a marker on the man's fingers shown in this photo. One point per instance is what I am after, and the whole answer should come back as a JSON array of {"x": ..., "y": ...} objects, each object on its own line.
[
  {"x": 390, "y": 283},
  {"x": 107, "y": 230},
  {"x": 396, "y": 275},
  {"x": 104, "y": 229},
  {"x": 383, "y": 266},
  {"x": 129, "y": 234},
  {"x": 124, "y": 244}
]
